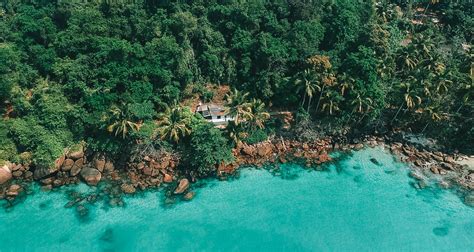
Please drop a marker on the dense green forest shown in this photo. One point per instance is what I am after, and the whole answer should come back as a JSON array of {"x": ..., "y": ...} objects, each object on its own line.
[{"x": 114, "y": 74}]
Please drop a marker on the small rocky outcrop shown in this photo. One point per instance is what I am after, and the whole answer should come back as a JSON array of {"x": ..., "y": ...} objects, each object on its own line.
[
  {"x": 189, "y": 196},
  {"x": 13, "y": 190},
  {"x": 264, "y": 149},
  {"x": 91, "y": 176},
  {"x": 248, "y": 150},
  {"x": 128, "y": 189},
  {"x": 5, "y": 174},
  {"x": 167, "y": 178},
  {"x": 182, "y": 186}
]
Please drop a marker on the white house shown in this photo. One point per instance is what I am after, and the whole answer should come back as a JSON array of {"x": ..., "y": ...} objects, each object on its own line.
[{"x": 214, "y": 113}]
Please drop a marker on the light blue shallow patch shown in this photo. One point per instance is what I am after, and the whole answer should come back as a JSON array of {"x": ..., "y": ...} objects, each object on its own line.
[{"x": 363, "y": 207}]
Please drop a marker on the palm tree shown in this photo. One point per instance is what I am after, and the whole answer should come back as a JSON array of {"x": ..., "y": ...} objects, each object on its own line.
[
  {"x": 259, "y": 113},
  {"x": 330, "y": 102},
  {"x": 307, "y": 83},
  {"x": 235, "y": 133},
  {"x": 345, "y": 83},
  {"x": 408, "y": 60},
  {"x": 238, "y": 106},
  {"x": 411, "y": 99},
  {"x": 120, "y": 124},
  {"x": 173, "y": 124}
]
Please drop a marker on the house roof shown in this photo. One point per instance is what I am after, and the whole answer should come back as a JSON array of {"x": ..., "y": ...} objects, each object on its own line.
[{"x": 210, "y": 110}]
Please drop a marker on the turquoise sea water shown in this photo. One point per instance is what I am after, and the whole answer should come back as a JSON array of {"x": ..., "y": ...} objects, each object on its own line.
[{"x": 355, "y": 206}]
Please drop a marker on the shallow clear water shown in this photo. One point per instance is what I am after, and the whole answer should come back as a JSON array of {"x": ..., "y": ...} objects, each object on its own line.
[{"x": 356, "y": 206}]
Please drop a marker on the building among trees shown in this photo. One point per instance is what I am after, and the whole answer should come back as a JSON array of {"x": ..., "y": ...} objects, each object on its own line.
[{"x": 214, "y": 113}]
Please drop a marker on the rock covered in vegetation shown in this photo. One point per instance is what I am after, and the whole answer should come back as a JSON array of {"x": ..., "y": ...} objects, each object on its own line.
[{"x": 77, "y": 152}]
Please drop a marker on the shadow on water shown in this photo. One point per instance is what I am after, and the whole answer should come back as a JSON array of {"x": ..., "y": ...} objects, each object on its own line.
[
  {"x": 441, "y": 231},
  {"x": 107, "y": 240},
  {"x": 45, "y": 204}
]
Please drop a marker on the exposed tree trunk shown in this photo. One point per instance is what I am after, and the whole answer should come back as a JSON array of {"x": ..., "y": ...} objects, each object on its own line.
[
  {"x": 378, "y": 121},
  {"x": 426, "y": 126},
  {"x": 350, "y": 117},
  {"x": 319, "y": 100},
  {"x": 304, "y": 99},
  {"x": 395, "y": 117},
  {"x": 309, "y": 104}
]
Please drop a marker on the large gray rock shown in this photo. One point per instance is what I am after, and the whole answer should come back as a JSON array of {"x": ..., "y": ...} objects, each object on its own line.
[
  {"x": 67, "y": 165},
  {"x": 91, "y": 176},
  {"x": 42, "y": 172},
  {"x": 77, "y": 167},
  {"x": 99, "y": 162},
  {"x": 182, "y": 186},
  {"x": 5, "y": 174}
]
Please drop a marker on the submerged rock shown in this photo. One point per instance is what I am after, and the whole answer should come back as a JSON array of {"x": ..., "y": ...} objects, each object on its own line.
[
  {"x": 469, "y": 199},
  {"x": 416, "y": 175},
  {"x": 375, "y": 161},
  {"x": 182, "y": 186},
  {"x": 189, "y": 195},
  {"x": 127, "y": 188},
  {"x": 82, "y": 211}
]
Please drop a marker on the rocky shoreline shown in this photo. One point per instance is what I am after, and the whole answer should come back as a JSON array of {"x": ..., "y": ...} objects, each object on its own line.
[{"x": 161, "y": 170}]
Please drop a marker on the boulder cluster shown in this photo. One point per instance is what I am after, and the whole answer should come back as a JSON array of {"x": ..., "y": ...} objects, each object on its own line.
[
  {"x": 311, "y": 154},
  {"x": 426, "y": 163},
  {"x": 153, "y": 171}
]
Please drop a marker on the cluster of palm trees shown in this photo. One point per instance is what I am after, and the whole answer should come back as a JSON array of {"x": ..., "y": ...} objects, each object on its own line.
[
  {"x": 422, "y": 88},
  {"x": 319, "y": 79},
  {"x": 248, "y": 115},
  {"x": 175, "y": 123},
  {"x": 314, "y": 79},
  {"x": 425, "y": 82}
]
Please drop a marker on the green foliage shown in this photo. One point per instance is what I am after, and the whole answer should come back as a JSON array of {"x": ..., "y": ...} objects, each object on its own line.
[
  {"x": 9, "y": 63},
  {"x": 208, "y": 148},
  {"x": 32, "y": 137},
  {"x": 8, "y": 151},
  {"x": 69, "y": 71},
  {"x": 257, "y": 136}
]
